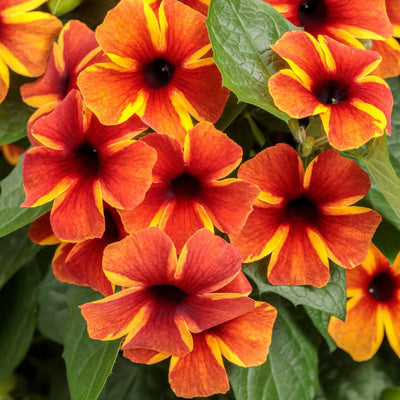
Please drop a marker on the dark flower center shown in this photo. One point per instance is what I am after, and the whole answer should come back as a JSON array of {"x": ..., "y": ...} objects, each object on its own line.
[
  {"x": 158, "y": 73},
  {"x": 87, "y": 159},
  {"x": 301, "y": 209},
  {"x": 331, "y": 92},
  {"x": 312, "y": 14},
  {"x": 185, "y": 185},
  {"x": 167, "y": 294},
  {"x": 382, "y": 287}
]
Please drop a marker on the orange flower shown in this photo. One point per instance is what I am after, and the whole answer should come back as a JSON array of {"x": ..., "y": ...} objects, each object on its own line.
[
  {"x": 163, "y": 300},
  {"x": 81, "y": 163},
  {"x": 340, "y": 19},
  {"x": 331, "y": 80},
  {"x": 304, "y": 218},
  {"x": 76, "y": 49},
  {"x": 373, "y": 307},
  {"x": 187, "y": 193},
  {"x": 25, "y": 39},
  {"x": 11, "y": 152},
  {"x": 198, "y": 5},
  {"x": 161, "y": 68},
  {"x": 244, "y": 341}
]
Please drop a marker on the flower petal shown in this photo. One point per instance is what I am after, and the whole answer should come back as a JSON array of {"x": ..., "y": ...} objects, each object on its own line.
[
  {"x": 207, "y": 263},
  {"x": 4, "y": 80},
  {"x": 202, "y": 312},
  {"x": 77, "y": 214},
  {"x": 209, "y": 153},
  {"x": 113, "y": 93},
  {"x": 390, "y": 53},
  {"x": 145, "y": 258},
  {"x": 332, "y": 180},
  {"x": 261, "y": 234},
  {"x": 300, "y": 260},
  {"x": 162, "y": 330},
  {"x": 116, "y": 315},
  {"x": 84, "y": 262},
  {"x": 183, "y": 217},
  {"x": 347, "y": 233},
  {"x": 201, "y": 372},
  {"x": 40, "y": 231},
  {"x": 286, "y": 81},
  {"x": 362, "y": 332},
  {"x": 144, "y": 356},
  {"x": 228, "y": 203},
  {"x": 245, "y": 340},
  {"x": 26, "y": 40},
  {"x": 392, "y": 323},
  {"x": 58, "y": 264},
  {"x": 39, "y": 162},
  {"x": 129, "y": 167},
  {"x": 277, "y": 171}
]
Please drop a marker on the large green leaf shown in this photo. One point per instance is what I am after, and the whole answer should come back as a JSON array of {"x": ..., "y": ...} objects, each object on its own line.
[
  {"x": 88, "y": 361},
  {"x": 18, "y": 301},
  {"x": 16, "y": 250},
  {"x": 330, "y": 299},
  {"x": 241, "y": 32},
  {"x": 53, "y": 307},
  {"x": 12, "y": 216},
  {"x": 290, "y": 372}
]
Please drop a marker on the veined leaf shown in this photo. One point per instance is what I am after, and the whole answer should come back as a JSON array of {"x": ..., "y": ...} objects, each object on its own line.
[{"x": 241, "y": 32}]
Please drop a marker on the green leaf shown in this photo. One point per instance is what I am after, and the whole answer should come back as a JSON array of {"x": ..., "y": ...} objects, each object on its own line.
[
  {"x": 290, "y": 372},
  {"x": 320, "y": 320},
  {"x": 59, "y": 7},
  {"x": 241, "y": 32},
  {"x": 16, "y": 250},
  {"x": 378, "y": 164},
  {"x": 88, "y": 361},
  {"x": 18, "y": 318},
  {"x": 330, "y": 299},
  {"x": 53, "y": 307},
  {"x": 12, "y": 216},
  {"x": 14, "y": 113}
]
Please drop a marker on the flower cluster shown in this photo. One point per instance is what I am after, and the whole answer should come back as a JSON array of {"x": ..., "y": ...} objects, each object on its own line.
[{"x": 156, "y": 208}]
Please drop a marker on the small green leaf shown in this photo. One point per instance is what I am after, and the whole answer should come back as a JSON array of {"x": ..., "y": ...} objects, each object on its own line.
[
  {"x": 12, "y": 216},
  {"x": 241, "y": 32},
  {"x": 330, "y": 299},
  {"x": 88, "y": 361},
  {"x": 16, "y": 250},
  {"x": 18, "y": 318},
  {"x": 290, "y": 372},
  {"x": 378, "y": 164},
  {"x": 59, "y": 7},
  {"x": 53, "y": 307}
]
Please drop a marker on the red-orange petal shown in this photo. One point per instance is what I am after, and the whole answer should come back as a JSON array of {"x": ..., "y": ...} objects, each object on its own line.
[
  {"x": 77, "y": 214},
  {"x": 144, "y": 356},
  {"x": 84, "y": 262},
  {"x": 40, "y": 231},
  {"x": 245, "y": 340},
  {"x": 58, "y": 264},
  {"x": 207, "y": 263},
  {"x": 228, "y": 203},
  {"x": 145, "y": 258},
  {"x": 277, "y": 171},
  {"x": 347, "y": 233},
  {"x": 196, "y": 310},
  {"x": 209, "y": 153},
  {"x": 300, "y": 260},
  {"x": 201, "y": 372},
  {"x": 130, "y": 167},
  {"x": 332, "y": 180},
  {"x": 389, "y": 50}
]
